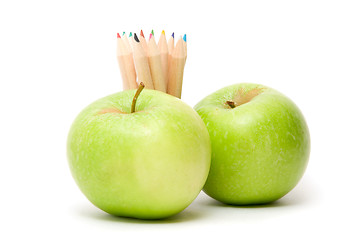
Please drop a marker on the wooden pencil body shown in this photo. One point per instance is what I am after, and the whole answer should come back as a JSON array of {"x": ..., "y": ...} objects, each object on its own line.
[
  {"x": 164, "y": 63},
  {"x": 154, "y": 60},
  {"x": 131, "y": 72},
  {"x": 142, "y": 66},
  {"x": 125, "y": 61},
  {"x": 121, "y": 63},
  {"x": 169, "y": 57},
  {"x": 126, "y": 43},
  {"x": 157, "y": 73},
  {"x": 144, "y": 45},
  {"x": 185, "y": 50},
  {"x": 122, "y": 59},
  {"x": 163, "y": 49},
  {"x": 170, "y": 45},
  {"x": 176, "y": 77},
  {"x": 176, "y": 68},
  {"x": 130, "y": 65},
  {"x": 143, "y": 72}
]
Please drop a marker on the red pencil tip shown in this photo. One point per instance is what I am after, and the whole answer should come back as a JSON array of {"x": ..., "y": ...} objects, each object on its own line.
[
  {"x": 142, "y": 34},
  {"x": 118, "y": 35},
  {"x": 150, "y": 35}
]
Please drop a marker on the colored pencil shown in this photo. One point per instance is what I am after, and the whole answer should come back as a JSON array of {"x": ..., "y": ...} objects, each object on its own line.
[
  {"x": 143, "y": 42},
  {"x": 163, "y": 48},
  {"x": 152, "y": 35},
  {"x": 185, "y": 45},
  {"x": 176, "y": 69},
  {"x": 131, "y": 40},
  {"x": 141, "y": 64},
  {"x": 127, "y": 67},
  {"x": 171, "y": 43},
  {"x": 127, "y": 43},
  {"x": 130, "y": 64},
  {"x": 121, "y": 59},
  {"x": 170, "y": 46}
]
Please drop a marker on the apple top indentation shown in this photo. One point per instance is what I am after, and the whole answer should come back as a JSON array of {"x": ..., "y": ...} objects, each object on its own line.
[
  {"x": 110, "y": 110},
  {"x": 242, "y": 96}
]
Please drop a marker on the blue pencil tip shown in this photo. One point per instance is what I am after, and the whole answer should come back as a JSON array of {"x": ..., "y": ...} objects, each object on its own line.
[
  {"x": 185, "y": 38},
  {"x": 173, "y": 35}
]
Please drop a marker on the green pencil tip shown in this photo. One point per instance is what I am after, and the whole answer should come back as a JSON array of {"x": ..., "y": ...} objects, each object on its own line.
[
  {"x": 123, "y": 34},
  {"x": 130, "y": 34}
]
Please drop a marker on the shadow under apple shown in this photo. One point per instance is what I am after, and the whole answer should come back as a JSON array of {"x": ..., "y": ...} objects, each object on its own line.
[
  {"x": 184, "y": 216},
  {"x": 302, "y": 194}
]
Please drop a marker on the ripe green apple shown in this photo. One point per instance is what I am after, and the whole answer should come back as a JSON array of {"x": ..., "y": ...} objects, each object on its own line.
[
  {"x": 260, "y": 144},
  {"x": 148, "y": 164}
]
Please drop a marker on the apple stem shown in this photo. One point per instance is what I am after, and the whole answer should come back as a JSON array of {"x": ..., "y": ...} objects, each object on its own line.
[
  {"x": 134, "y": 100},
  {"x": 231, "y": 104}
]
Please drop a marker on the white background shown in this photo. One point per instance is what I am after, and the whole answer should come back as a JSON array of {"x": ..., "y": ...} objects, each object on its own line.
[{"x": 57, "y": 57}]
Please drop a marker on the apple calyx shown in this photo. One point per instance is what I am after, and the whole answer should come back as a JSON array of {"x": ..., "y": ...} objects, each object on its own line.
[
  {"x": 242, "y": 97},
  {"x": 134, "y": 100}
]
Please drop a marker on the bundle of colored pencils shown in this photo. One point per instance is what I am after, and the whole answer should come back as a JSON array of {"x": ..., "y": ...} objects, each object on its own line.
[{"x": 159, "y": 65}]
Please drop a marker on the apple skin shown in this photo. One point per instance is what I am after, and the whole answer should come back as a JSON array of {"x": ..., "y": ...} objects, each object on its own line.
[
  {"x": 149, "y": 164},
  {"x": 260, "y": 149}
]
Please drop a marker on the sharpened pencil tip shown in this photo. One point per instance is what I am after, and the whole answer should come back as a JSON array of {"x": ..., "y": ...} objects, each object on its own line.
[
  {"x": 136, "y": 38},
  {"x": 123, "y": 34},
  {"x": 163, "y": 32},
  {"x": 173, "y": 35},
  {"x": 152, "y": 32},
  {"x": 118, "y": 35},
  {"x": 150, "y": 36},
  {"x": 185, "y": 38},
  {"x": 130, "y": 34},
  {"x": 141, "y": 33}
]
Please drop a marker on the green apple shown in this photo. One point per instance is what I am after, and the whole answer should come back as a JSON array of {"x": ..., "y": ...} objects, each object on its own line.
[
  {"x": 260, "y": 144},
  {"x": 149, "y": 164}
]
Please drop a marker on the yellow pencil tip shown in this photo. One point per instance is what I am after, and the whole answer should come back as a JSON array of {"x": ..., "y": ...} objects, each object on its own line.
[{"x": 163, "y": 32}]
